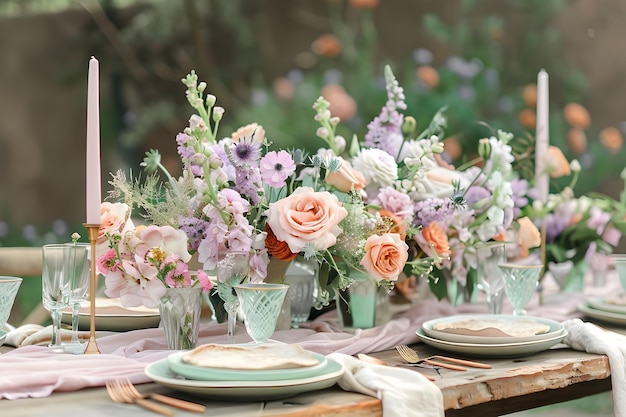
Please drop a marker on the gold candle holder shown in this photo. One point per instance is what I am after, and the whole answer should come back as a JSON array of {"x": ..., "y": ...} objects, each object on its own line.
[{"x": 92, "y": 346}]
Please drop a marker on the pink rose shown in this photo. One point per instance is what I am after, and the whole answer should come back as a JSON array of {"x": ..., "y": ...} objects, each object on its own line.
[
  {"x": 306, "y": 217},
  {"x": 385, "y": 256},
  {"x": 114, "y": 218},
  {"x": 346, "y": 177}
]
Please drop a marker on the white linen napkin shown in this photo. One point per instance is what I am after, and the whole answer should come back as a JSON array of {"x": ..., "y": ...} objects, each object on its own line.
[
  {"x": 404, "y": 393},
  {"x": 590, "y": 338}
]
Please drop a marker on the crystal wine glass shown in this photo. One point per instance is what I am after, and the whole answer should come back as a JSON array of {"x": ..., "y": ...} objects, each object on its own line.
[
  {"x": 232, "y": 269},
  {"x": 261, "y": 305},
  {"x": 55, "y": 288},
  {"x": 520, "y": 282},
  {"x": 489, "y": 255},
  {"x": 78, "y": 268}
]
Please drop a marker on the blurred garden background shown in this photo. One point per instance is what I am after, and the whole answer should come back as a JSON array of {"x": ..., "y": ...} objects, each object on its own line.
[{"x": 268, "y": 60}]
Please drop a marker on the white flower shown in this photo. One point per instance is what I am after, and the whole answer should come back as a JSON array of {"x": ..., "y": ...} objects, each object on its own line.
[
  {"x": 377, "y": 166},
  {"x": 196, "y": 122}
]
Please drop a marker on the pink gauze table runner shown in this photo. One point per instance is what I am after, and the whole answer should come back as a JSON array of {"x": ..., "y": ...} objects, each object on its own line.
[{"x": 32, "y": 371}]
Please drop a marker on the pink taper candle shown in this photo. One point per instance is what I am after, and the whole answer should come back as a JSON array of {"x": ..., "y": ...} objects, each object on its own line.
[
  {"x": 542, "y": 141},
  {"x": 93, "y": 144}
]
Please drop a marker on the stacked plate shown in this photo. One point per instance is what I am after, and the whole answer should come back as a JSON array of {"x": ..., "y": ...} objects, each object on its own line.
[
  {"x": 112, "y": 316},
  {"x": 607, "y": 309},
  {"x": 246, "y": 372},
  {"x": 492, "y": 335}
]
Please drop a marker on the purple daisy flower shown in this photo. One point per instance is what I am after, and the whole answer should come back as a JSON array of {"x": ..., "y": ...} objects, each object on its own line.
[
  {"x": 245, "y": 152},
  {"x": 276, "y": 167}
]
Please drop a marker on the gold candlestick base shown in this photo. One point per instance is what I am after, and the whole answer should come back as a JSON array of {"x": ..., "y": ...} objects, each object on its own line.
[{"x": 92, "y": 346}]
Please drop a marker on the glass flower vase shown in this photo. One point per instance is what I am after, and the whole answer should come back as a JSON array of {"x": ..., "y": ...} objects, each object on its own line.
[
  {"x": 362, "y": 305},
  {"x": 180, "y": 310}
]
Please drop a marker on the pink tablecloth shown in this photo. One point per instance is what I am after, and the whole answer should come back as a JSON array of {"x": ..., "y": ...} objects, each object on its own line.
[{"x": 32, "y": 371}]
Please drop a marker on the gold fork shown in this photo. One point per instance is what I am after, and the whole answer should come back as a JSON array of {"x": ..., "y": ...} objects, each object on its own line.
[
  {"x": 411, "y": 356},
  {"x": 120, "y": 395},
  {"x": 126, "y": 385}
]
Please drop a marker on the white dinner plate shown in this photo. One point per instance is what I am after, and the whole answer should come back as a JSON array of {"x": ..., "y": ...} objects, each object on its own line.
[
  {"x": 601, "y": 303},
  {"x": 112, "y": 316},
  {"x": 190, "y": 371},
  {"x": 477, "y": 337},
  {"x": 161, "y": 373},
  {"x": 605, "y": 316},
  {"x": 496, "y": 349}
]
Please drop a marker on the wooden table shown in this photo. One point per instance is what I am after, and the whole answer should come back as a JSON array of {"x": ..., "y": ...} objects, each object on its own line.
[{"x": 513, "y": 384}]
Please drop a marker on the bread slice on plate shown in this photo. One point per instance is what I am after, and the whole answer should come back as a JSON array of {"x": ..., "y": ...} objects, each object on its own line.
[{"x": 272, "y": 356}]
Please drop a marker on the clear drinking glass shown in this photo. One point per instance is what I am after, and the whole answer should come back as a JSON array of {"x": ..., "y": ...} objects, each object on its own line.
[
  {"x": 232, "y": 269},
  {"x": 78, "y": 270},
  {"x": 301, "y": 276},
  {"x": 620, "y": 267},
  {"x": 489, "y": 256},
  {"x": 55, "y": 288},
  {"x": 520, "y": 282},
  {"x": 261, "y": 305}
]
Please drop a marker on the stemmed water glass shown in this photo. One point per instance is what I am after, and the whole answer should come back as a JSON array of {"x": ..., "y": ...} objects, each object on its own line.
[
  {"x": 520, "y": 282},
  {"x": 232, "y": 269},
  {"x": 54, "y": 288},
  {"x": 78, "y": 268},
  {"x": 489, "y": 255},
  {"x": 261, "y": 305}
]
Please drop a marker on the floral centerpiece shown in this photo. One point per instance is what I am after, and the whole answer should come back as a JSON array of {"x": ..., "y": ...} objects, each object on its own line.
[{"x": 581, "y": 232}]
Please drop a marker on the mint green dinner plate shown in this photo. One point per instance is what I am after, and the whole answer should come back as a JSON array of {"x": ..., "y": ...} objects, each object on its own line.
[
  {"x": 161, "y": 373},
  {"x": 200, "y": 373}
]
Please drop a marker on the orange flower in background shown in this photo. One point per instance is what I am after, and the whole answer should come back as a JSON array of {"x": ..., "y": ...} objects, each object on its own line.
[
  {"x": 436, "y": 239},
  {"x": 530, "y": 95},
  {"x": 327, "y": 45},
  {"x": 577, "y": 140},
  {"x": 341, "y": 104},
  {"x": 283, "y": 88},
  {"x": 452, "y": 147},
  {"x": 277, "y": 248},
  {"x": 577, "y": 116},
  {"x": 364, "y": 4},
  {"x": 611, "y": 139},
  {"x": 557, "y": 164},
  {"x": 527, "y": 118},
  {"x": 428, "y": 75}
]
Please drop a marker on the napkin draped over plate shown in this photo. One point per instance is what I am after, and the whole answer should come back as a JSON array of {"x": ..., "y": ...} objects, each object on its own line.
[
  {"x": 404, "y": 393},
  {"x": 592, "y": 339}
]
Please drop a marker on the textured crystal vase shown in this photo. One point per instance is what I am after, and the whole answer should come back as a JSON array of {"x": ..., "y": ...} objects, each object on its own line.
[
  {"x": 180, "y": 310},
  {"x": 8, "y": 291},
  {"x": 261, "y": 305}
]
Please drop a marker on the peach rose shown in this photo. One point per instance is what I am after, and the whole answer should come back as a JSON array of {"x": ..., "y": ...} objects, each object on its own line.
[
  {"x": 428, "y": 76},
  {"x": 306, "y": 217},
  {"x": 528, "y": 235},
  {"x": 433, "y": 240},
  {"x": 249, "y": 130},
  {"x": 385, "y": 256},
  {"x": 346, "y": 177},
  {"x": 530, "y": 95},
  {"x": 611, "y": 139},
  {"x": 113, "y": 218},
  {"x": 342, "y": 105},
  {"x": 577, "y": 116}
]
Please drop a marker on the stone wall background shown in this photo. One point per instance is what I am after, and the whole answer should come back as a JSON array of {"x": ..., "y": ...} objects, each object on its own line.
[{"x": 43, "y": 75}]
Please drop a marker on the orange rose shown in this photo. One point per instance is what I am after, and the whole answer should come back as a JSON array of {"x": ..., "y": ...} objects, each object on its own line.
[
  {"x": 306, "y": 217},
  {"x": 326, "y": 45},
  {"x": 577, "y": 116},
  {"x": 277, "y": 248},
  {"x": 385, "y": 256},
  {"x": 433, "y": 240},
  {"x": 346, "y": 177},
  {"x": 527, "y": 118},
  {"x": 530, "y": 95},
  {"x": 428, "y": 76},
  {"x": 611, "y": 139},
  {"x": 577, "y": 140},
  {"x": 342, "y": 105}
]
